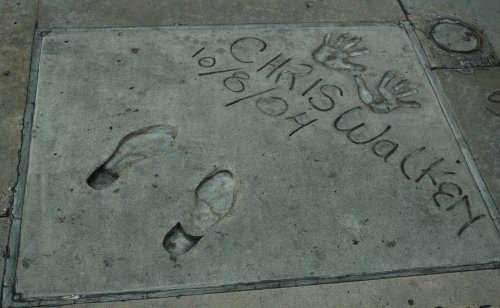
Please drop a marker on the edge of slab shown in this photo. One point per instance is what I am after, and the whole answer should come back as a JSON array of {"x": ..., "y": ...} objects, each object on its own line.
[
  {"x": 455, "y": 128},
  {"x": 228, "y": 26},
  {"x": 9, "y": 298},
  {"x": 8, "y": 287},
  {"x": 257, "y": 285}
]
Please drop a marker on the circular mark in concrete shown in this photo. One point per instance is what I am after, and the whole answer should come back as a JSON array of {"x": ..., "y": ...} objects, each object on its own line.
[
  {"x": 272, "y": 105},
  {"x": 455, "y": 36},
  {"x": 206, "y": 62}
]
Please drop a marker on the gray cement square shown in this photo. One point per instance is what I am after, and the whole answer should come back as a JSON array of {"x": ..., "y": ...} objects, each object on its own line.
[
  {"x": 120, "y": 13},
  {"x": 476, "y": 105},
  {"x": 457, "y": 33},
  {"x": 17, "y": 22},
  {"x": 196, "y": 159}
]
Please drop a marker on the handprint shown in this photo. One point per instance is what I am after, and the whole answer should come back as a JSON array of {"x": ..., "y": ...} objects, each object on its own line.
[
  {"x": 387, "y": 98},
  {"x": 334, "y": 55}
]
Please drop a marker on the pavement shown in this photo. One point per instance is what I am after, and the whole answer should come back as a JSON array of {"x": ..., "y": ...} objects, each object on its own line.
[{"x": 455, "y": 63}]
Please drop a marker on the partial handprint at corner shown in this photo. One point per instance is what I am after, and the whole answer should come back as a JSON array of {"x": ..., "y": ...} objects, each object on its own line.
[
  {"x": 386, "y": 98},
  {"x": 335, "y": 54}
]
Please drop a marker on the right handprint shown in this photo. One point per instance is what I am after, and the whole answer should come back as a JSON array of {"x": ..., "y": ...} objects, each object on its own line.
[{"x": 387, "y": 98}]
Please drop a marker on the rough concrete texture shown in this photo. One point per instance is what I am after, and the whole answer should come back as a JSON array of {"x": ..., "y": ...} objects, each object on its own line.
[
  {"x": 114, "y": 13},
  {"x": 149, "y": 170},
  {"x": 469, "y": 289},
  {"x": 16, "y": 32},
  {"x": 4, "y": 231},
  {"x": 480, "y": 16},
  {"x": 476, "y": 103}
]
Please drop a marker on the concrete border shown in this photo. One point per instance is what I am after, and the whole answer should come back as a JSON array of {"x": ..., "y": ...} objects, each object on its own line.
[
  {"x": 455, "y": 128},
  {"x": 258, "y": 285},
  {"x": 8, "y": 288},
  {"x": 12, "y": 299}
]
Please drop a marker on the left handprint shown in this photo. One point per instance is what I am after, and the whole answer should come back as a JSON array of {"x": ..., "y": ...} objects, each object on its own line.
[{"x": 335, "y": 54}]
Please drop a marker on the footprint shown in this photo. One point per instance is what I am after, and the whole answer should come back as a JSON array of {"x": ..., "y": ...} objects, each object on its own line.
[
  {"x": 178, "y": 242},
  {"x": 136, "y": 146},
  {"x": 214, "y": 198}
]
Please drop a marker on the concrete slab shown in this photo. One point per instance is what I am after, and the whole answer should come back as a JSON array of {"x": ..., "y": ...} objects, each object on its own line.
[
  {"x": 469, "y": 289},
  {"x": 459, "y": 23},
  {"x": 181, "y": 160},
  {"x": 16, "y": 30},
  {"x": 17, "y": 22},
  {"x": 476, "y": 104},
  {"x": 115, "y": 13}
]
